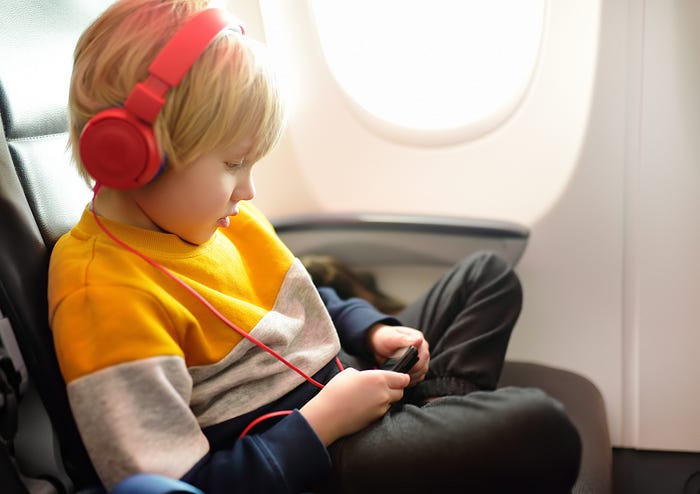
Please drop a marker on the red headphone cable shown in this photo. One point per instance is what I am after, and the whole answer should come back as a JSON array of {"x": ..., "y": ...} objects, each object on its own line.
[
  {"x": 216, "y": 312},
  {"x": 201, "y": 299}
]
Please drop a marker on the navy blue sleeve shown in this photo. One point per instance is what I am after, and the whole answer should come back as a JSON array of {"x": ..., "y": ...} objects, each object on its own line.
[
  {"x": 287, "y": 458},
  {"x": 352, "y": 318}
]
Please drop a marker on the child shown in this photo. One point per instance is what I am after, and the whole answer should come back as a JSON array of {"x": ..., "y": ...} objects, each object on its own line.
[{"x": 194, "y": 345}]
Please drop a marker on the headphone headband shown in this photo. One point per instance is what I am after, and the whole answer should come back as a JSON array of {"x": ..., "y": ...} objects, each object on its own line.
[
  {"x": 173, "y": 62},
  {"x": 117, "y": 146}
]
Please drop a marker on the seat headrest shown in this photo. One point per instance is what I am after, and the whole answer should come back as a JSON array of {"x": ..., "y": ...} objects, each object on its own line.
[{"x": 36, "y": 68}]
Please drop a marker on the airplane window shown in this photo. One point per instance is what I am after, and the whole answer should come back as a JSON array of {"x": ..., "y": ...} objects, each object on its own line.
[{"x": 432, "y": 64}]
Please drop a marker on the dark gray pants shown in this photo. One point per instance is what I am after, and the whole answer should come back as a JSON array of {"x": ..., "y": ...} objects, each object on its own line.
[{"x": 473, "y": 438}]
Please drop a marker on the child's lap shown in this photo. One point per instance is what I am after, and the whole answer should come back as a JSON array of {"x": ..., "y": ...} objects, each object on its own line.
[{"x": 455, "y": 443}]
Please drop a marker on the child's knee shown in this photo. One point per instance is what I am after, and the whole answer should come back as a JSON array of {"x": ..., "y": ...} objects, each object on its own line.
[
  {"x": 487, "y": 270},
  {"x": 554, "y": 443}
]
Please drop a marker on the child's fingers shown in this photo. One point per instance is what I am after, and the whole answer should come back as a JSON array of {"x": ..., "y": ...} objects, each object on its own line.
[{"x": 395, "y": 380}]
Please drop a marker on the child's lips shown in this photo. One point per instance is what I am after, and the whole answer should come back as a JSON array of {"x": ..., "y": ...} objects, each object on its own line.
[{"x": 225, "y": 221}]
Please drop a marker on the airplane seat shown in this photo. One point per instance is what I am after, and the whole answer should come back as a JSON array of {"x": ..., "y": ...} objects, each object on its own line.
[
  {"x": 585, "y": 406},
  {"x": 41, "y": 197}
]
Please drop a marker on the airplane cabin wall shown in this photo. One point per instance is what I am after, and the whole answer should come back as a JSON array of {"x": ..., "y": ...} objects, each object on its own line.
[
  {"x": 663, "y": 234},
  {"x": 599, "y": 161}
]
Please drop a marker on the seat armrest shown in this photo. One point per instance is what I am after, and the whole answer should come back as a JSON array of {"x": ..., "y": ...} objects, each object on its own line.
[
  {"x": 379, "y": 239},
  {"x": 585, "y": 406}
]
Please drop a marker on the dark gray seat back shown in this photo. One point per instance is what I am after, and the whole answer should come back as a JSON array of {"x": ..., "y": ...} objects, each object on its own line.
[{"x": 41, "y": 196}]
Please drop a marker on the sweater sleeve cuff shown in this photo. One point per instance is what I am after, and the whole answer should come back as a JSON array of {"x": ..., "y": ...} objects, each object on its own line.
[
  {"x": 352, "y": 318},
  {"x": 299, "y": 452},
  {"x": 354, "y": 340}
]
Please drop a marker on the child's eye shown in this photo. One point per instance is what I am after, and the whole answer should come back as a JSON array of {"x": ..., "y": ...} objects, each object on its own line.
[{"x": 234, "y": 165}]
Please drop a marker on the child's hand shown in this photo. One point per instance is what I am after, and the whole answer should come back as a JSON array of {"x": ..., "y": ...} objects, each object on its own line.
[
  {"x": 351, "y": 401},
  {"x": 385, "y": 340}
]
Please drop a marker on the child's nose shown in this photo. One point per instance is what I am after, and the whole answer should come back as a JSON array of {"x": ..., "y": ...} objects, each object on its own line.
[{"x": 244, "y": 191}]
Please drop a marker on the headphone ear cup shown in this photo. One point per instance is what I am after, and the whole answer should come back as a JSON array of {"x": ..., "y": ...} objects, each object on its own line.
[{"x": 119, "y": 150}]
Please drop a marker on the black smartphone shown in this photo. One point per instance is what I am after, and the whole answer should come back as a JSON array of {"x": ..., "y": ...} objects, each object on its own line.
[{"x": 402, "y": 360}]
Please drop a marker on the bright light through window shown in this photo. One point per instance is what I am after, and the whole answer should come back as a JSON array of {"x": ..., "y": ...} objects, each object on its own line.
[{"x": 431, "y": 64}]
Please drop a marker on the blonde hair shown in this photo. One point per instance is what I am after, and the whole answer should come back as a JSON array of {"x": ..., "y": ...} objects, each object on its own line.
[{"x": 229, "y": 94}]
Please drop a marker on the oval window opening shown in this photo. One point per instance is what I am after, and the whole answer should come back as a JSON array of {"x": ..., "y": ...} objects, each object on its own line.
[{"x": 432, "y": 65}]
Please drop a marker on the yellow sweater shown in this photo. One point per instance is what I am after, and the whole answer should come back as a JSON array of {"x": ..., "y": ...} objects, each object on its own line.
[{"x": 147, "y": 365}]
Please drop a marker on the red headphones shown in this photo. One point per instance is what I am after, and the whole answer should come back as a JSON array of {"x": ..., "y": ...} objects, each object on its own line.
[{"x": 117, "y": 146}]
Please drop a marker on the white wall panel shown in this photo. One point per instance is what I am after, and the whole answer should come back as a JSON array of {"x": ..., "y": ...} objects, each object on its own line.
[
  {"x": 515, "y": 172},
  {"x": 668, "y": 219}
]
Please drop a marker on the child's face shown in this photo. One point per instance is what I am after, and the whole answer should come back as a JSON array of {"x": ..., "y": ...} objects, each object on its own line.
[{"x": 193, "y": 201}]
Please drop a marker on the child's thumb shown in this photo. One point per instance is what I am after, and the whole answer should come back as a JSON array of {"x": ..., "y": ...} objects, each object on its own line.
[{"x": 413, "y": 341}]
